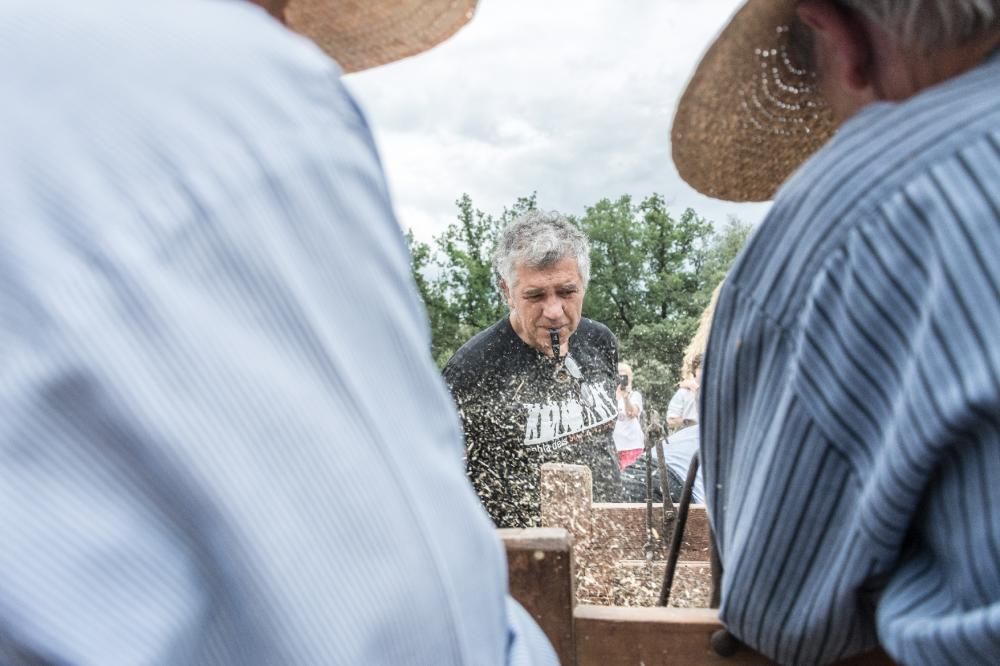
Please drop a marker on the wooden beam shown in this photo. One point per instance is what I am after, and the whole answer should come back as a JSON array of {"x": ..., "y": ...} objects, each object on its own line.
[
  {"x": 620, "y": 636},
  {"x": 540, "y": 569}
]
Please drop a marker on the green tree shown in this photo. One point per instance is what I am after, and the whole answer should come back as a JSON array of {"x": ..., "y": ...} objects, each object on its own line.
[
  {"x": 456, "y": 278},
  {"x": 617, "y": 265},
  {"x": 441, "y": 315},
  {"x": 676, "y": 249},
  {"x": 647, "y": 283},
  {"x": 724, "y": 248}
]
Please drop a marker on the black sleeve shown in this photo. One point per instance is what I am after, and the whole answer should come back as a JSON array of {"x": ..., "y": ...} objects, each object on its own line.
[
  {"x": 615, "y": 358},
  {"x": 483, "y": 469}
]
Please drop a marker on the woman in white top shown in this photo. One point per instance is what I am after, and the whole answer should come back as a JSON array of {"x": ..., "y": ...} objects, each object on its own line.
[
  {"x": 682, "y": 413},
  {"x": 628, "y": 431},
  {"x": 683, "y": 408}
]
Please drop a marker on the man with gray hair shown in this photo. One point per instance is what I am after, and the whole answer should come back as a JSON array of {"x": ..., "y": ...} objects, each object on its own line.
[
  {"x": 539, "y": 385},
  {"x": 851, "y": 393}
]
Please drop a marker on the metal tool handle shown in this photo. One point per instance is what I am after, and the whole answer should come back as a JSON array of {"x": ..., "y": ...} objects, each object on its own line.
[
  {"x": 723, "y": 643},
  {"x": 653, "y": 431},
  {"x": 678, "y": 534}
]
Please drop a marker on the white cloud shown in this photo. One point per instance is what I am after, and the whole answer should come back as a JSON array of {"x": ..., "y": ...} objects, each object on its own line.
[{"x": 572, "y": 98}]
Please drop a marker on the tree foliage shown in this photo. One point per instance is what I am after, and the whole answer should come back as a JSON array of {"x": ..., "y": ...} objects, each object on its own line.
[
  {"x": 648, "y": 283},
  {"x": 455, "y": 276},
  {"x": 651, "y": 276}
]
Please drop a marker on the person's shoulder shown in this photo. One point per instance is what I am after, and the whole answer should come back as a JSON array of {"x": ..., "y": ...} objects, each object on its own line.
[
  {"x": 171, "y": 71},
  {"x": 863, "y": 183},
  {"x": 595, "y": 331},
  {"x": 190, "y": 37},
  {"x": 596, "y": 341},
  {"x": 480, "y": 353},
  {"x": 874, "y": 155},
  {"x": 689, "y": 384},
  {"x": 682, "y": 393}
]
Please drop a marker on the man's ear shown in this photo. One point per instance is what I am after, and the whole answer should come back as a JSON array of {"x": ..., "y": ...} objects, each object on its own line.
[
  {"x": 275, "y": 8},
  {"x": 506, "y": 294},
  {"x": 843, "y": 48}
]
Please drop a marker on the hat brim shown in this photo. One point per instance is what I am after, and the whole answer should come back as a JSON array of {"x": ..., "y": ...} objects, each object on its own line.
[
  {"x": 749, "y": 116},
  {"x": 360, "y": 34}
]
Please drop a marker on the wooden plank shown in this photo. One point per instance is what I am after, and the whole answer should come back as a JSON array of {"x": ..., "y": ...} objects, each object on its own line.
[
  {"x": 540, "y": 571},
  {"x": 615, "y": 635},
  {"x": 624, "y": 529},
  {"x": 535, "y": 538}
]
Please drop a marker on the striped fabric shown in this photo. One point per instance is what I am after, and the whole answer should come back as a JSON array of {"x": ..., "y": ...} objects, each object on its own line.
[
  {"x": 222, "y": 439},
  {"x": 851, "y": 404}
]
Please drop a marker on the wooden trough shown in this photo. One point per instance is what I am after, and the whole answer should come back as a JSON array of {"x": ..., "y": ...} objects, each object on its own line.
[{"x": 569, "y": 575}]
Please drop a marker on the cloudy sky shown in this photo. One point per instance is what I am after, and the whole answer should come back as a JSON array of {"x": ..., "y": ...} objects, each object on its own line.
[{"x": 572, "y": 98}]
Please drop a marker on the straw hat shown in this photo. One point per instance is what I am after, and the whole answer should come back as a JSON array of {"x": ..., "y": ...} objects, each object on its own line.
[
  {"x": 751, "y": 113},
  {"x": 359, "y": 34}
]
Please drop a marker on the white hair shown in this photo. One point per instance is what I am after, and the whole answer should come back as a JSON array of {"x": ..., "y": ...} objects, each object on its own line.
[
  {"x": 538, "y": 240},
  {"x": 930, "y": 24}
]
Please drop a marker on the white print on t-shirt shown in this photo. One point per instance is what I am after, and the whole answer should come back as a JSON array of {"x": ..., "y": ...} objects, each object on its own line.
[
  {"x": 549, "y": 421},
  {"x": 551, "y": 447}
]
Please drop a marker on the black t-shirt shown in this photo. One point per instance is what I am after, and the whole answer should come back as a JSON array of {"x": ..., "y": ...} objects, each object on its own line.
[{"x": 517, "y": 415}]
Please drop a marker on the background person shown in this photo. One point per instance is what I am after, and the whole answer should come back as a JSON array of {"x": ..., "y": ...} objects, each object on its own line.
[
  {"x": 682, "y": 411},
  {"x": 679, "y": 448},
  {"x": 523, "y": 402},
  {"x": 629, "y": 439},
  {"x": 201, "y": 275},
  {"x": 684, "y": 408},
  {"x": 850, "y": 429}
]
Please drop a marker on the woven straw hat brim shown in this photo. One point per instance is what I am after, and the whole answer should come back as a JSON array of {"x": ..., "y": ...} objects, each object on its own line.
[
  {"x": 749, "y": 116},
  {"x": 359, "y": 34}
]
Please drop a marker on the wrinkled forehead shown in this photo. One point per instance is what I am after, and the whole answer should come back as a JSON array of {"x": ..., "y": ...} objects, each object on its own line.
[{"x": 562, "y": 272}]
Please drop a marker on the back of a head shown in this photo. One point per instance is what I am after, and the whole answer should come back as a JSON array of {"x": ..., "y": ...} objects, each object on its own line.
[{"x": 928, "y": 25}]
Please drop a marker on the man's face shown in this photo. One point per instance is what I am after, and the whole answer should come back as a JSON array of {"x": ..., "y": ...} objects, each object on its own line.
[{"x": 543, "y": 299}]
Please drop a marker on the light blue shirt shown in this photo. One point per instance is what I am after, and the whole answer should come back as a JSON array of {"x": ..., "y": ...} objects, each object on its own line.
[
  {"x": 851, "y": 400},
  {"x": 222, "y": 439}
]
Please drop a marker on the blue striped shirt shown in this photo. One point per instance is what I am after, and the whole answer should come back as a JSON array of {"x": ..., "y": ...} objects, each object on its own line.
[
  {"x": 222, "y": 439},
  {"x": 851, "y": 402}
]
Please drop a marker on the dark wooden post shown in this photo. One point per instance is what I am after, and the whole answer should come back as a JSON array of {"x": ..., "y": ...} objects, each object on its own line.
[{"x": 540, "y": 566}]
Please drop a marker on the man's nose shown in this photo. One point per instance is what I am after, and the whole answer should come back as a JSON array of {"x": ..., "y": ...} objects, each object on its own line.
[{"x": 552, "y": 309}]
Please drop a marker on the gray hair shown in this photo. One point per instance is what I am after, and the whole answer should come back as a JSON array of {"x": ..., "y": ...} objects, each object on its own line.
[
  {"x": 539, "y": 240},
  {"x": 930, "y": 24}
]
